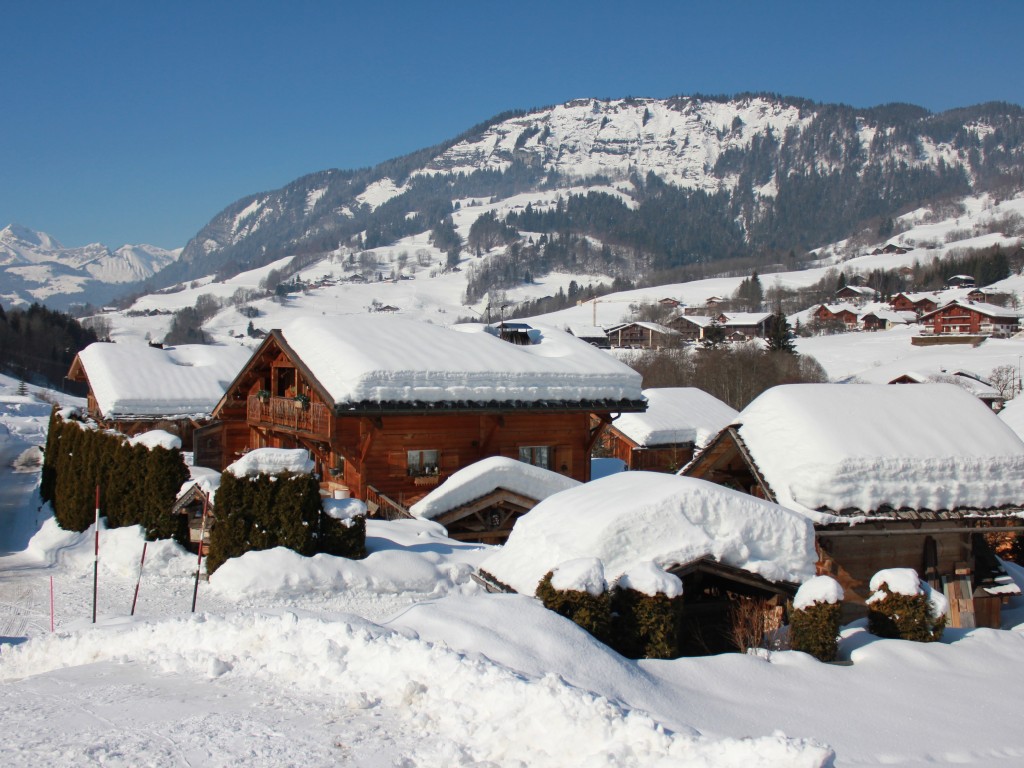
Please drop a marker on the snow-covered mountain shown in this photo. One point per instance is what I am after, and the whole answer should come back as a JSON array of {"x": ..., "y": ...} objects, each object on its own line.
[
  {"x": 694, "y": 179},
  {"x": 35, "y": 267}
]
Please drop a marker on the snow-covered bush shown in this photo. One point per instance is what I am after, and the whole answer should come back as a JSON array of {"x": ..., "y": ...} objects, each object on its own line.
[
  {"x": 343, "y": 528},
  {"x": 639, "y": 616},
  {"x": 647, "y": 606},
  {"x": 577, "y": 591},
  {"x": 904, "y": 607},
  {"x": 814, "y": 622}
]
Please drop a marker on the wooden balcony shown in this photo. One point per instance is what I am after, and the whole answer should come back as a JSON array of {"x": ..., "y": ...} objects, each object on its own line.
[{"x": 286, "y": 412}]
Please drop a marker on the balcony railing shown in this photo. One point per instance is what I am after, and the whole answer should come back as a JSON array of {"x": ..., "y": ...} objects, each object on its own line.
[{"x": 314, "y": 418}]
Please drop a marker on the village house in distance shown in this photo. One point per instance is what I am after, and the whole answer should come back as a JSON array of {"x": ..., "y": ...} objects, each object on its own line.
[{"x": 389, "y": 408}]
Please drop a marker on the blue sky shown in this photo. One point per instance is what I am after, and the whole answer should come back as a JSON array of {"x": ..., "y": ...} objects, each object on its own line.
[{"x": 139, "y": 121}]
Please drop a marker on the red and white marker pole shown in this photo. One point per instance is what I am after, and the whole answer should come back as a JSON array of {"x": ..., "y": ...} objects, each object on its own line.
[
  {"x": 96, "y": 559},
  {"x": 142, "y": 563}
]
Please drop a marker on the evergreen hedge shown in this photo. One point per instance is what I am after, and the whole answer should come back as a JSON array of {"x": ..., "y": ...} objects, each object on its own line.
[
  {"x": 646, "y": 626},
  {"x": 637, "y": 625},
  {"x": 815, "y": 630},
  {"x": 138, "y": 486},
  {"x": 263, "y": 512},
  {"x": 904, "y": 617},
  {"x": 592, "y": 612},
  {"x": 343, "y": 538}
]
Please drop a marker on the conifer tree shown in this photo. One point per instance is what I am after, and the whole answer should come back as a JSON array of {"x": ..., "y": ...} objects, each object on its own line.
[{"x": 165, "y": 474}]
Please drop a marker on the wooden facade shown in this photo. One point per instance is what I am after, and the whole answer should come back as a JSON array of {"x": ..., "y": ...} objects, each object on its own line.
[
  {"x": 391, "y": 454},
  {"x": 653, "y": 458},
  {"x": 904, "y": 302},
  {"x": 960, "y": 317},
  {"x": 644, "y": 336}
]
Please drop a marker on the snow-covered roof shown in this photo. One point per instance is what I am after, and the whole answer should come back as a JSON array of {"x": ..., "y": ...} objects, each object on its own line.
[
  {"x": 485, "y": 476},
  {"x": 892, "y": 316},
  {"x": 865, "y": 446},
  {"x": 587, "y": 331},
  {"x": 1013, "y": 415},
  {"x": 676, "y": 415},
  {"x": 137, "y": 380},
  {"x": 702, "y": 321},
  {"x": 391, "y": 360},
  {"x": 272, "y": 461},
  {"x": 655, "y": 327},
  {"x": 981, "y": 307},
  {"x": 636, "y": 517},
  {"x": 745, "y": 318}
]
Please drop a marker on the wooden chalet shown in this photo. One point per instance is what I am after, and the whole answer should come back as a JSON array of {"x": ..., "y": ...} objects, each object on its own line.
[
  {"x": 919, "y": 303},
  {"x": 592, "y": 334},
  {"x": 856, "y": 293},
  {"x": 389, "y": 408},
  {"x": 643, "y": 335},
  {"x": 960, "y": 281},
  {"x": 193, "y": 504},
  {"x": 743, "y": 326},
  {"x": 690, "y": 327},
  {"x": 962, "y": 317},
  {"x": 663, "y": 439},
  {"x": 842, "y": 313},
  {"x": 136, "y": 388},
  {"x": 833, "y": 451},
  {"x": 884, "y": 319}
]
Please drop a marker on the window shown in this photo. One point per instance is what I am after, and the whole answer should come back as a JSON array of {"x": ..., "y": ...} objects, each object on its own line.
[
  {"x": 538, "y": 455},
  {"x": 420, "y": 463}
]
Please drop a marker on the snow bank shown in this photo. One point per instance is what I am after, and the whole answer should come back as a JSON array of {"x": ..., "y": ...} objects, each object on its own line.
[
  {"x": 676, "y": 415},
  {"x": 636, "y": 517},
  {"x": 820, "y": 589},
  {"x": 282, "y": 572},
  {"x": 272, "y": 461},
  {"x": 387, "y": 359},
  {"x": 157, "y": 438},
  {"x": 120, "y": 551},
  {"x": 845, "y": 447},
  {"x": 488, "y": 475},
  {"x": 466, "y": 708},
  {"x": 140, "y": 380}
]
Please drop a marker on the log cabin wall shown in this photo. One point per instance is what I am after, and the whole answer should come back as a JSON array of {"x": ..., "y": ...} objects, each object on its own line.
[
  {"x": 853, "y": 559},
  {"x": 376, "y": 450}
]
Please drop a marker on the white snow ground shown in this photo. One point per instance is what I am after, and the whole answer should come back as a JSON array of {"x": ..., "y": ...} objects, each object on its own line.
[{"x": 399, "y": 660}]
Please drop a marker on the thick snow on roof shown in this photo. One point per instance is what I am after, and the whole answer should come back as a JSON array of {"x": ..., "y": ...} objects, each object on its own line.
[
  {"x": 272, "y": 461},
  {"x": 140, "y": 380},
  {"x": 488, "y": 475},
  {"x": 676, "y": 415},
  {"x": 863, "y": 446},
  {"x": 637, "y": 517},
  {"x": 1013, "y": 415},
  {"x": 387, "y": 359},
  {"x": 989, "y": 310}
]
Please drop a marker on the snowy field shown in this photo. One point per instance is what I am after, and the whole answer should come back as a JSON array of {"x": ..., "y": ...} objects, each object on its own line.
[{"x": 400, "y": 660}]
